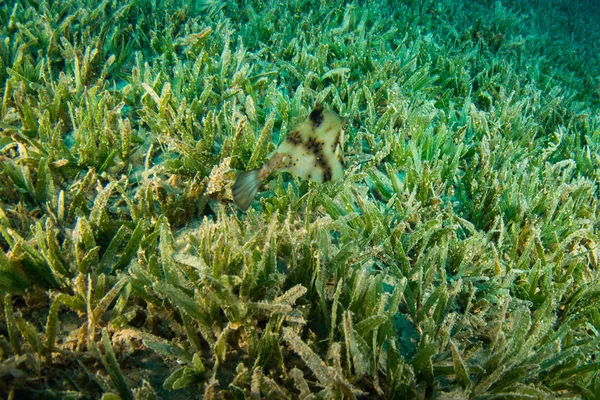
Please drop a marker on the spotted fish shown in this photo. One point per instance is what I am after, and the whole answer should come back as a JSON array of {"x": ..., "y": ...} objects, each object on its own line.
[{"x": 313, "y": 150}]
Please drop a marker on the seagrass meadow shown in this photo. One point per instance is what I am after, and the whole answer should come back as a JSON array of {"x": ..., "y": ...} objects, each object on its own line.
[{"x": 456, "y": 259}]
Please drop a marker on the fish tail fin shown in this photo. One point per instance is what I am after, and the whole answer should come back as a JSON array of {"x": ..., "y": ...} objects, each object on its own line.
[{"x": 245, "y": 188}]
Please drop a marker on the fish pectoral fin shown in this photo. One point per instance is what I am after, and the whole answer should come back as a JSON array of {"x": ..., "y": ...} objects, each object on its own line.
[{"x": 339, "y": 152}]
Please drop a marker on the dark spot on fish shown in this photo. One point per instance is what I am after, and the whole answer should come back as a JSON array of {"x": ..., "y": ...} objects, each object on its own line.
[
  {"x": 294, "y": 138},
  {"x": 312, "y": 145},
  {"x": 327, "y": 174},
  {"x": 316, "y": 116},
  {"x": 316, "y": 148},
  {"x": 336, "y": 142}
]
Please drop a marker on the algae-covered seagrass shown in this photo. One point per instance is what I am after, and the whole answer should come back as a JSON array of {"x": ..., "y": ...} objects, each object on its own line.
[{"x": 455, "y": 257}]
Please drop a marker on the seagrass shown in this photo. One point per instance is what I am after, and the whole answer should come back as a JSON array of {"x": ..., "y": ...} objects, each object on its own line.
[{"x": 456, "y": 258}]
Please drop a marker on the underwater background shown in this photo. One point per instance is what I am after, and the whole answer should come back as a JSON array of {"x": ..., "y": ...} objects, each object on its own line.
[{"x": 457, "y": 258}]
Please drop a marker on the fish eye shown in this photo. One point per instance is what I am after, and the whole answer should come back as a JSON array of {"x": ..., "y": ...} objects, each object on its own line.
[{"x": 346, "y": 123}]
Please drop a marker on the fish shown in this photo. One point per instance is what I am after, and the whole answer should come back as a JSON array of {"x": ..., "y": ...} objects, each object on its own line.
[{"x": 313, "y": 150}]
